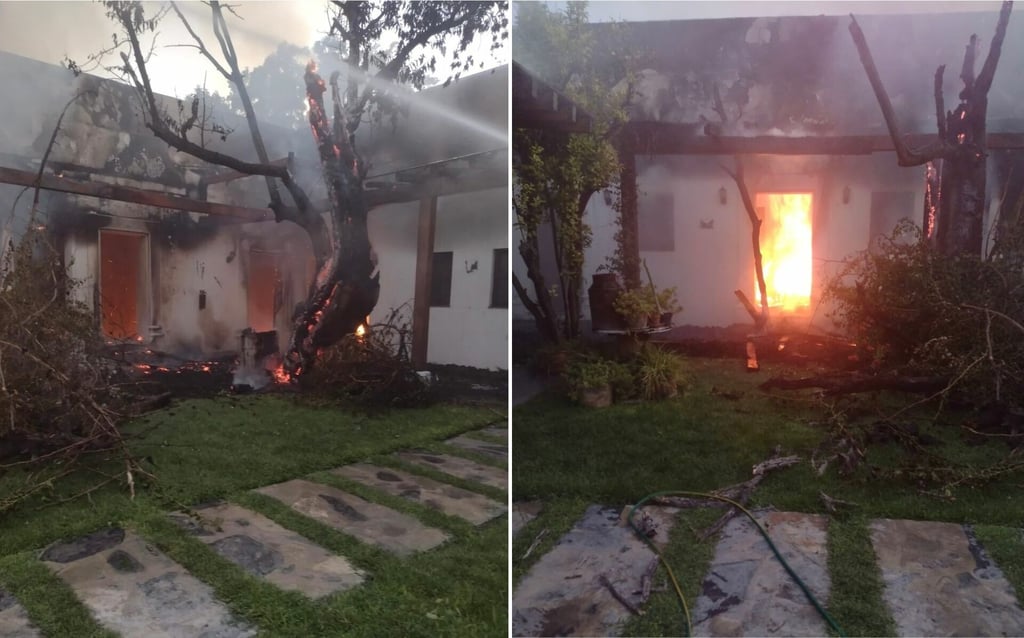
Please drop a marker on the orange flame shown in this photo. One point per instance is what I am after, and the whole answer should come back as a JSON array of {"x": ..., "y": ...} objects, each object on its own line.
[
  {"x": 786, "y": 249},
  {"x": 281, "y": 375}
]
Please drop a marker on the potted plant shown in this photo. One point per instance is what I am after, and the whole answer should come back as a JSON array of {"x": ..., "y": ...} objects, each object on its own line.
[
  {"x": 636, "y": 306},
  {"x": 590, "y": 382},
  {"x": 668, "y": 305}
]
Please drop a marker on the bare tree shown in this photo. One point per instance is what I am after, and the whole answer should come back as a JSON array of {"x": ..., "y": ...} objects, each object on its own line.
[
  {"x": 344, "y": 290},
  {"x": 960, "y": 144}
]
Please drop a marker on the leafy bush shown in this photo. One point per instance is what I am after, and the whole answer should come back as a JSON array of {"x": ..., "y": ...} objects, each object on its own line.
[
  {"x": 660, "y": 373},
  {"x": 918, "y": 310},
  {"x": 58, "y": 396}
]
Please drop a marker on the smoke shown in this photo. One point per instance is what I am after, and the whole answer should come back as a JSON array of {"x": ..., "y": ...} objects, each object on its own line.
[{"x": 49, "y": 31}]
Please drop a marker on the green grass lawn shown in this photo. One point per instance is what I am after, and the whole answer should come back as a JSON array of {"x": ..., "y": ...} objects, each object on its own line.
[
  {"x": 205, "y": 450},
  {"x": 569, "y": 457}
]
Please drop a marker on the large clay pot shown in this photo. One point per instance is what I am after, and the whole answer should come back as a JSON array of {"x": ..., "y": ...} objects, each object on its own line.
[{"x": 602, "y": 294}]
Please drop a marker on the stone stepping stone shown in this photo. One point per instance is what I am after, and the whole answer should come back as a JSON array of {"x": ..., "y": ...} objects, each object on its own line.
[
  {"x": 460, "y": 467},
  {"x": 563, "y": 593},
  {"x": 523, "y": 512},
  {"x": 747, "y": 590},
  {"x": 496, "y": 431},
  {"x": 455, "y": 501},
  {"x": 371, "y": 523},
  {"x": 265, "y": 549},
  {"x": 136, "y": 591},
  {"x": 479, "y": 446},
  {"x": 14, "y": 621},
  {"x": 940, "y": 582}
]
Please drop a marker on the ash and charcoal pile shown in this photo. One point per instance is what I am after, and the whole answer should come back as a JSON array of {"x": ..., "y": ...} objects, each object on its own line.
[{"x": 154, "y": 372}]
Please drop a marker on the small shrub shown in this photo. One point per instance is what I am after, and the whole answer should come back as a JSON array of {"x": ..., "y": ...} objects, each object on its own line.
[
  {"x": 554, "y": 359},
  {"x": 660, "y": 373},
  {"x": 593, "y": 373}
]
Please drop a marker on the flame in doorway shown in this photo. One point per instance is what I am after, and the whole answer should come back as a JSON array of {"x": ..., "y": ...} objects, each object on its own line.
[{"x": 785, "y": 249}]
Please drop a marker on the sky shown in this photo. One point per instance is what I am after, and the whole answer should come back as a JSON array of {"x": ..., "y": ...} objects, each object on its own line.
[
  {"x": 603, "y": 11},
  {"x": 48, "y": 31}
]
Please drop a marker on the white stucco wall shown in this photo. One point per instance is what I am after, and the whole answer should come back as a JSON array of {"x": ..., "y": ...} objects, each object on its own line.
[
  {"x": 471, "y": 225},
  {"x": 708, "y": 264}
]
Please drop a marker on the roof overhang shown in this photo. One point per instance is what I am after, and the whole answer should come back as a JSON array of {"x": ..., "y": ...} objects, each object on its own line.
[{"x": 538, "y": 105}]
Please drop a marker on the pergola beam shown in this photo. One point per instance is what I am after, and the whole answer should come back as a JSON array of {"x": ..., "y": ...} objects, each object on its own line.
[
  {"x": 658, "y": 138},
  {"x": 132, "y": 195}
]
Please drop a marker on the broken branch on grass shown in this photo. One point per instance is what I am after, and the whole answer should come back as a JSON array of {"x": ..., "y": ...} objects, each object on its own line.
[
  {"x": 619, "y": 597},
  {"x": 833, "y": 504},
  {"x": 536, "y": 541},
  {"x": 746, "y": 489}
]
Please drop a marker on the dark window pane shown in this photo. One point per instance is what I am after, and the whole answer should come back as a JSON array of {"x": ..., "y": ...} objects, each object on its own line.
[
  {"x": 656, "y": 221},
  {"x": 499, "y": 279},
  {"x": 441, "y": 281}
]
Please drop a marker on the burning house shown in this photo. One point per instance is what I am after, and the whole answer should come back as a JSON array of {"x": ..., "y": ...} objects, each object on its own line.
[
  {"x": 182, "y": 256},
  {"x": 789, "y": 98}
]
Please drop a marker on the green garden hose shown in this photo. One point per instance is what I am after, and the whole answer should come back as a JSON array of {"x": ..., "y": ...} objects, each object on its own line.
[{"x": 675, "y": 583}]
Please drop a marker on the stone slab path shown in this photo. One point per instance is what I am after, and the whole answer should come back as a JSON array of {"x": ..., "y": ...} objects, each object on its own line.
[
  {"x": 563, "y": 593},
  {"x": 940, "y": 582},
  {"x": 747, "y": 591},
  {"x": 455, "y": 501},
  {"x": 14, "y": 622},
  {"x": 265, "y": 549},
  {"x": 496, "y": 431},
  {"x": 522, "y": 513},
  {"x": 459, "y": 467},
  {"x": 480, "y": 447},
  {"x": 135, "y": 590},
  {"x": 347, "y": 513}
]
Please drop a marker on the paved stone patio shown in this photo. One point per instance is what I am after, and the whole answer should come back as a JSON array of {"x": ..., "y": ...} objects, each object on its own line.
[
  {"x": 938, "y": 580},
  {"x": 133, "y": 589},
  {"x": 14, "y": 622},
  {"x": 455, "y": 501},
  {"x": 265, "y": 549},
  {"x": 563, "y": 594},
  {"x": 459, "y": 467}
]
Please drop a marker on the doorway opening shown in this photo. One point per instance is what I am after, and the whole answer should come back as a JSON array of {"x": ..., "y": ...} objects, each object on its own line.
[
  {"x": 123, "y": 283},
  {"x": 786, "y": 241}
]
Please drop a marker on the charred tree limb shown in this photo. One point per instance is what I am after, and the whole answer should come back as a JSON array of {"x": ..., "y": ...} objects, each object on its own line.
[
  {"x": 988, "y": 70},
  {"x": 747, "y": 305},
  {"x": 905, "y": 156},
  {"x": 755, "y": 237},
  {"x": 834, "y": 385},
  {"x": 940, "y": 106}
]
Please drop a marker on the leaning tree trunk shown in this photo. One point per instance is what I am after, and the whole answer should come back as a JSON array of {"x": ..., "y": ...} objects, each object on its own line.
[
  {"x": 960, "y": 146},
  {"x": 345, "y": 290}
]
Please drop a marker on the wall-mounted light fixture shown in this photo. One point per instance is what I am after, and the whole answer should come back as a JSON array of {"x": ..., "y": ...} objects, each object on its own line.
[
  {"x": 846, "y": 194},
  {"x": 607, "y": 197},
  {"x": 723, "y": 196}
]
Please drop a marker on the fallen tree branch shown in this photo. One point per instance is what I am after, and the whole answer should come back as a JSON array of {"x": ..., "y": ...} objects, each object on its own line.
[
  {"x": 619, "y": 597},
  {"x": 743, "y": 491},
  {"x": 835, "y": 385}
]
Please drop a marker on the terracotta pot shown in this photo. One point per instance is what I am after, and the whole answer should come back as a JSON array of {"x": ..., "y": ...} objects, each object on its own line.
[
  {"x": 637, "y": 323},
  {"x": 597, "y": 397}
]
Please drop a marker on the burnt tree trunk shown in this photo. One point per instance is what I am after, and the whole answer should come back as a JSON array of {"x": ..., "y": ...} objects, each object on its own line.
[
  {"x": 960, "y": 144},
  {"x": 345, "y": 289},
  {"x": 630, "y": 226}
]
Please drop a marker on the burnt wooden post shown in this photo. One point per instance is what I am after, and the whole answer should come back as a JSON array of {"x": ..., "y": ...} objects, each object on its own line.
[{"x": 424, "y": 275}]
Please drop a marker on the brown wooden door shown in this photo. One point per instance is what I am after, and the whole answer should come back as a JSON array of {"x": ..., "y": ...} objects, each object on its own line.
[{"x": 121, "y": 267}]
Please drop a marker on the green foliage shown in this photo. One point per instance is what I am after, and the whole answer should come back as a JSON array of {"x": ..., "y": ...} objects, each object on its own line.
[
  {"x": 660, "y": 373},
  {"x": 643, "y": 302},
  {"x": 556, "y": 173},
  {"x": 635, "y": 303},
  {"x": 960, "y": 316},
  {"x": 588, "y": 374}
]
